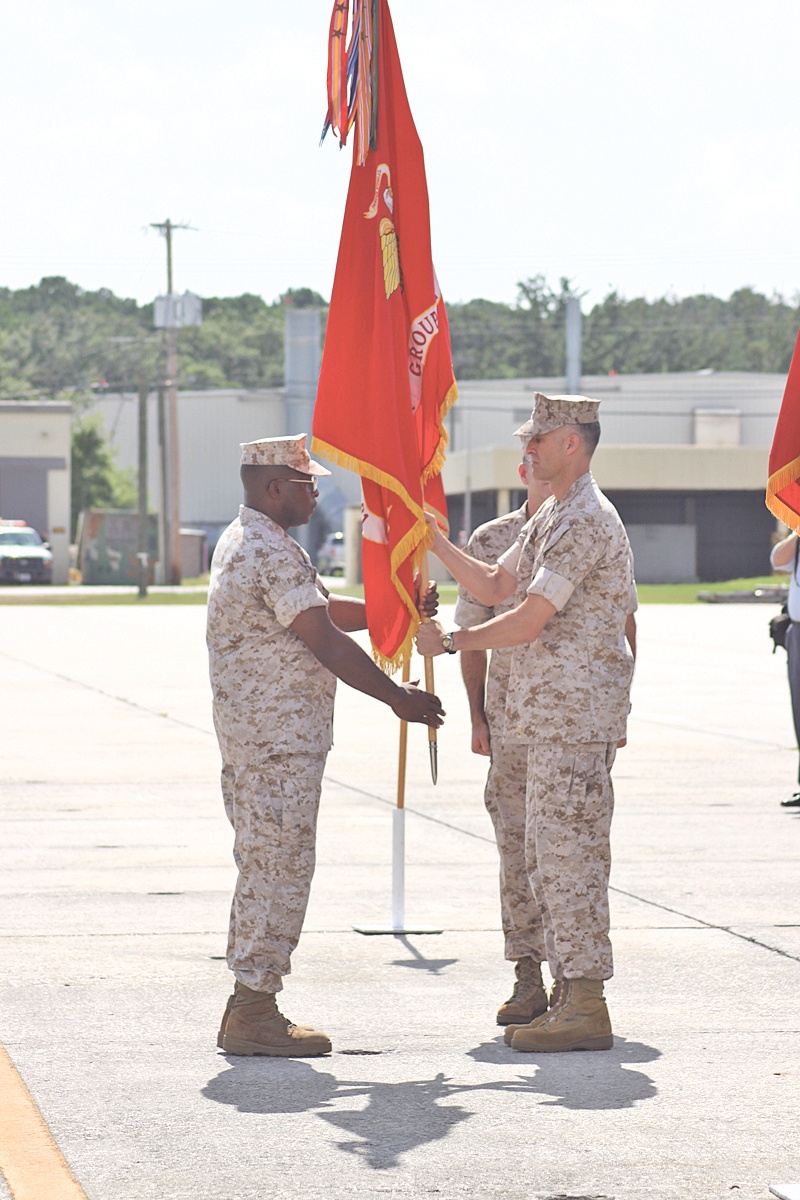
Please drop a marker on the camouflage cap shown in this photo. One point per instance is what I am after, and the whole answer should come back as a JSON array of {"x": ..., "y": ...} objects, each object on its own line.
[
  {"x": 551, "y": 412},
  {"x": 281, "y": 452}
]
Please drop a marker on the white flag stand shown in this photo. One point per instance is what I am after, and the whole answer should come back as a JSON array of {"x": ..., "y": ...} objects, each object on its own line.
[{"x": 398, "y": 926}]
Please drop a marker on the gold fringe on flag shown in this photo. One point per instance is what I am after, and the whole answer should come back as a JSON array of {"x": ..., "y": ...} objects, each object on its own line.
[
  {"x": 780, "y": 479},
  {"x": 436, "y": 465},
  {"x": 413, "y": 545}
]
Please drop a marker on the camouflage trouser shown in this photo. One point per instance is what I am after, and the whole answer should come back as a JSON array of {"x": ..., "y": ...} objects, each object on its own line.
[
  {"x": 505, "y": 801},
  {"x": 273, "y": 807},
  {"x": 570, "y": 803}
]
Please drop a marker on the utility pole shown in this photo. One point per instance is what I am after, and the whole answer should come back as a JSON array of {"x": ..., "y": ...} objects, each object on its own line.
[
  {"x": 171, "y": 502},
  {"x": 143, "y": 392},
  {"x": 301, "y": 375},
  {"x": 574, "y": 324},
  {"x": 142, "y": 554},
  {"x": 163, "y": 483}
]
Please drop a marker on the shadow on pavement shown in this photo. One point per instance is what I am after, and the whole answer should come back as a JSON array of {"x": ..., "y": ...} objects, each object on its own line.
[
  {"x": 588, "y": 1080},
  {"x": 434, "y": 965},
  {"x": 397, "y": 1117}
]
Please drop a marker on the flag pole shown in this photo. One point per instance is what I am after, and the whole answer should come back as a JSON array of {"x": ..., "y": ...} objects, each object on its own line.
[
  {"x": 433, "y": 745},
  {"x": 399, "y": 821},
  {"x": 398, "y": 926}
]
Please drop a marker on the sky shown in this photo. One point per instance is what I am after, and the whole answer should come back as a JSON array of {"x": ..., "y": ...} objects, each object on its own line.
[{"x": 646, "y": 146}]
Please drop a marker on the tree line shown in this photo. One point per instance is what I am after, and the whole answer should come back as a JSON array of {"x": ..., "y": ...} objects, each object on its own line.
[
  {"x": 747, "y": 332},
  {"x": 56, "y": 338}
]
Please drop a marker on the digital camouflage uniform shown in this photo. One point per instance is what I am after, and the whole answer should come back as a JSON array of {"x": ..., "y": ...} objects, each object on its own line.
[
  {"x": 504, "y": 794},
  {"x": 273, "y": 713},
  {"x": 568, "y": 700}
]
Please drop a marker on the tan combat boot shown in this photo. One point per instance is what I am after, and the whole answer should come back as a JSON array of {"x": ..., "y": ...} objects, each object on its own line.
[
  {"x": 581, "y": 1022},
  {"x": 529, "y": 999},
  {"x": 227, "y": 1013},
  {"x": 224, "y": 1021},
  {"x": 255, "y": 1026},
  {"x": 556, "y": 998}
]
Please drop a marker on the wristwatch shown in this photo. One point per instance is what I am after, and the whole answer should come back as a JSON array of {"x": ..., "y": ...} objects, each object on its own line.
[{"x": 448, "y": 643}]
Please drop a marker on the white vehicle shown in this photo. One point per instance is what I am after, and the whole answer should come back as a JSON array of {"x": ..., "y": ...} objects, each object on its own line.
[
  {"x": 330, "y": 559},
  {"x": 24, "y": 557}
]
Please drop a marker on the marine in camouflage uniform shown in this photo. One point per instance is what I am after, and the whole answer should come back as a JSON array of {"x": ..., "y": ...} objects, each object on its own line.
[
  {"x": 567, "y": 702},
  {"x": 275, "y": 650},
  {"x": 273, "y": 713}
]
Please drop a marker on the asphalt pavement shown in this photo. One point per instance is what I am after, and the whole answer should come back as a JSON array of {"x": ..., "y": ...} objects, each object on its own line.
[{"x": 113, "y": 911}]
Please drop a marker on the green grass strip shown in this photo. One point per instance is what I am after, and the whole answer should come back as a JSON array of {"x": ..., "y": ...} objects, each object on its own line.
[{"x": 649, "y": 593}]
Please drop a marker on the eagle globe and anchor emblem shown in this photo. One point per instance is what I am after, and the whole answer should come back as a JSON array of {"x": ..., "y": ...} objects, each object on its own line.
[{"x": 386, "y": 230}]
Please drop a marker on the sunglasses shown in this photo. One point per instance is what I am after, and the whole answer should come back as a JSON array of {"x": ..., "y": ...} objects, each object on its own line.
[{"x": 310, "y": 484}]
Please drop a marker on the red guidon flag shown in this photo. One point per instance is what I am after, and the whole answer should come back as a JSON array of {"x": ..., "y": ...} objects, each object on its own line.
[
  {"x": 783, "y": 485},
  {"x": 387, "y": 375}
]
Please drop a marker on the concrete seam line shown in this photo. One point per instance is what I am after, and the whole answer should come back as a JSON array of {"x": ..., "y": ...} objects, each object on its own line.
[
  {"x": 30, "y": 1161},
  {"x": 425, "y": 817},
  {"x": 90, "y": 687},
  {"x": 707, "y": 924},
  {"x": 620, "y": 891},
  {"x": 708, "y": 731},
  {"x": 711, "y": 732},
  {"x": 447, "y": 825}
]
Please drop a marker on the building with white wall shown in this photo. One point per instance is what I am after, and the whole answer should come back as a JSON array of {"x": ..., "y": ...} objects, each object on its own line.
[
  {"x": 35, "y": 472},
  {"x": 682, "y": 456},
  {"x": 211, "y": 425}
]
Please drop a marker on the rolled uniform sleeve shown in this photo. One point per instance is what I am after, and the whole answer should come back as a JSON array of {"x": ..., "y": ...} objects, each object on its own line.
[
  {"x": 510, "y": 560},
  {"x": 633, "y": 600},
  {"x": 470, "y": 613},
  {"x": 292, "y": 603},
  {"x": 784, "y": 568},
  {"x": 289, "y": 586},
  {"x": 553, "y": 587},
  {"x": 566, "y": 561}
]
